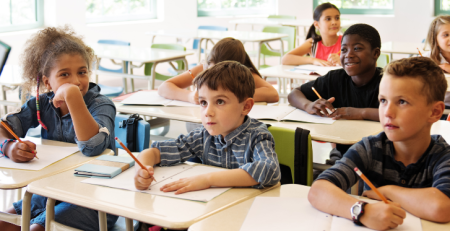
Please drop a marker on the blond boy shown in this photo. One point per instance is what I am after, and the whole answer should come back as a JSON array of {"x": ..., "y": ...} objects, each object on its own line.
[
  {"x": 228, "y": 137},
  {"x": 410, "y": 167}
]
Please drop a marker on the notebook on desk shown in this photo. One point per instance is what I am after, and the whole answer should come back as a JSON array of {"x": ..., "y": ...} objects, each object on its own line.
[
  {"x": 285, "y": 213},
  {"x": 286, "y": 113},
  {"x": 313, "y": 69},
  {"x": 105, "y": 166},
  {"x": 152, "y": 98}
]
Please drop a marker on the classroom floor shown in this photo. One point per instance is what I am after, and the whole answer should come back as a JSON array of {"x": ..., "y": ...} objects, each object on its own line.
[{"x": 321, "y": 150}]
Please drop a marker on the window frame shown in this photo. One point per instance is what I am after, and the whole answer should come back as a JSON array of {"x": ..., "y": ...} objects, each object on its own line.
[
  {"x": 237, "y": 12},
  {"x": 106, "y": 19},
  {"x": 39, "y": 20},
  {"x": 361, "y": 11},
  {"x": 438, "y": 10}
]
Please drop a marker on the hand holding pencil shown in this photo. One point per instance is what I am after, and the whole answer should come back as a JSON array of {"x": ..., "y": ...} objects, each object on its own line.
[
  {"x": 22, "y": 151},
  {"x": 321, "y": 107}
]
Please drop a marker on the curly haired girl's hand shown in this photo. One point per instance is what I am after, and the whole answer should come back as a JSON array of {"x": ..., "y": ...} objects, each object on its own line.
[{"x": 63, "y": 92}]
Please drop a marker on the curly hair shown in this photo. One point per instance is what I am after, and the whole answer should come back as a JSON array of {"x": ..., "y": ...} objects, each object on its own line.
[
  {"x": 366, "y": 32},
  {"x": 44, "y": 48},
  {"x": 423, "y": 69}
]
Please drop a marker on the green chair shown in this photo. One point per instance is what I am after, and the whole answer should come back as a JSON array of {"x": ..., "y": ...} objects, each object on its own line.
[
  {"x": 282, "y": 16},
  {"x": 383, "y": 60},
  {"x": 148, "y": 66},
  {"x": 266, "y": 50},
  {"x": 294, "y": 150}
]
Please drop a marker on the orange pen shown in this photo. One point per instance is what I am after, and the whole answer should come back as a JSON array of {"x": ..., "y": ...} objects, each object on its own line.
[
  {"x": 131, "y": 154},
  {"x": 419, "y": 52},
  {"x": 15, "y": 136},
  {"x": 191, "y": 74},
  {"x": 371, "y": 185}
]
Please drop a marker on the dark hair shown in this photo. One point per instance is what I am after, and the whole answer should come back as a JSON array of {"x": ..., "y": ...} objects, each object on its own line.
[
  {"x": 317, "y": 14},
  {"x": 230, "y": 49},
  {"x": 231, "y": 76},
  {"x": 45, "y": 47},
  {"x": 367, "y": 32},
  {"x": 424, "y": 69}
]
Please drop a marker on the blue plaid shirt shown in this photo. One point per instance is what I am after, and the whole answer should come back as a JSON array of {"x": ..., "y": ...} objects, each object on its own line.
[
  {"x": 60, "y": 128},
  {"x": 250, "y": 147}
]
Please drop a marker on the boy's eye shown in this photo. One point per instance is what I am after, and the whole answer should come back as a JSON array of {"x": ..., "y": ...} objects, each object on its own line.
[
  {"x": 357, "y": 48},
  {"x": 402, "y": 102},
  {"x": 203, "y": 103},
  {"x": 343, "y": 50},
  {"x": 82, "y": 73},
  {"x": 382, "y": 100},
  {"x": 64, "y": 74},
  {"x": 220, "y": 102}
]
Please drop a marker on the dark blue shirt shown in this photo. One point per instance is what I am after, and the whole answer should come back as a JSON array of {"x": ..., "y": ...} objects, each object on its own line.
[{"x": 60, "y": 128}]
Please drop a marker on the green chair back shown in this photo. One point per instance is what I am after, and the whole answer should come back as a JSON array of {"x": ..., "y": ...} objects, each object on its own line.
[
  {"x": 282, "y": 16},
  {"x": 290, "y": 31},
  {"x": 291, "y": 156},
  {"x": 180, "y": 63},
  {"x": 383, "y": 60}
]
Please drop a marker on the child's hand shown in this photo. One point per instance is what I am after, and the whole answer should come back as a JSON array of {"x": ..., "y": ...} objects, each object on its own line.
[
  {"x": 21, "y": 152},
  {"x": 188, "y": 184},
  {"x": 382, "y": 216},
  {"x": 320, "y": 62},
  {"x": 348, "y": 113},
  {"x": 445, "y": 67},
  {"x": 334, "y": 59},
  {"x": 372, "y": 195},
  {"x": 319, "y": 107},
  {"x": 193, "y": 97},
  {"x": 142, "y": 178},
  {"x": 62, "y": 92}
]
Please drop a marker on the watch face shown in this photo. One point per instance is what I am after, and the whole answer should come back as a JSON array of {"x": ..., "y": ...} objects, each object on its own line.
[{"x": 356, "y": 209}]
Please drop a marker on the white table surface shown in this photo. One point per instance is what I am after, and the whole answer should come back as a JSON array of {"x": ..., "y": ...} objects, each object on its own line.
[
  {"x": 282, "y": 71},
  {"x": 244, "y": 36},
  {"x": 284, "y": 22},
  {"x": 237, "y": 213},
  {"x": 159, "y": 210},
  {"x": 19, "y": 178},
  {"x": 402, "y": 48}
]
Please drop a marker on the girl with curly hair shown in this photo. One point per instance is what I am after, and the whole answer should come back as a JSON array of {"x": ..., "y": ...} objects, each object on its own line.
[{"x": 70, "y": 109}]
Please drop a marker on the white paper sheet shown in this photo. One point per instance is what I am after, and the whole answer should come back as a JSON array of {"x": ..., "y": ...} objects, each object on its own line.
[
  {"x": 313, "y": 69},
  {"x": 270, "y": 112},
  {"x": 146, "y": 98},
  {"x": 285, "y": 213},
  {"x": 299, "y": 115},
  {"x": 47, "y": 155},
  {"x": 179, "y": 103},
  {"x": 164, "y": 175}
]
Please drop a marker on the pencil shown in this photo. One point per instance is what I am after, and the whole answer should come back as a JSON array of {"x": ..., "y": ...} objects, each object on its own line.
[
  {"x": 371, "y": 185},
  {"x": 135, "y": 159},
  {"x": 419, "y": 52},
  {"x": 320, "y": 97},
  {"x": 191, "y": 74},
  {"x": 15, "y": 136},
  {"x": 339, "y": 52}
]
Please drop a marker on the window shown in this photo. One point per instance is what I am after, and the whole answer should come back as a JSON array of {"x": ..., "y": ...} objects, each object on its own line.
[
  {"x": 441, "y": 7},
  {"x": 20, "y": 15},
  {"x": 235, "y": 7},
  {"x": 119, "y": 10},
  {"x": 361, "y": 6}
]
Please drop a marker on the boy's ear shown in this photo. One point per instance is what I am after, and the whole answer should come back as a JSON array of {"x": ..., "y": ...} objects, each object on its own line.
[
  {"x": 376, "y": 53},
  {"x": 248, "y": 105},
  {"x": 437, "y": 111},
  {"x": 46, "y": 82}
]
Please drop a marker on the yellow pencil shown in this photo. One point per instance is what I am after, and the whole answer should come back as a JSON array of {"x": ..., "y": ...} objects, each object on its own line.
[
  {"x": 191, "y": 74},
  {"x": 131, "y": 154},
  {"x": 15, "y": 136},
  {"x": 371, "y": 185},
  {"x": 419, "y": 52},
  {"x": 320, "y": 97}
]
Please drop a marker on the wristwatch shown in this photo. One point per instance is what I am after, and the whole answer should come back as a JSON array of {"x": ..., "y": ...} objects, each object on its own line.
[{"x": 357, "y": 211}]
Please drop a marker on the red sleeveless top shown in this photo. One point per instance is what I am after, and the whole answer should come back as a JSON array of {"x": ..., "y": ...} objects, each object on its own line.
[{"x": 322, "y": 51}]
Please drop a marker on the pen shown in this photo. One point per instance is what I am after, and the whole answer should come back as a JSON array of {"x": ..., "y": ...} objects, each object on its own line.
[
  {"x": 191, "y": 74},
  {"x": 320, "y": 97},
  {"x": 135, "y": 159},
  {"x": 419, "y": 52},
  {"x": 371, "y": 185},
  {"x": 15, "y": 136}
]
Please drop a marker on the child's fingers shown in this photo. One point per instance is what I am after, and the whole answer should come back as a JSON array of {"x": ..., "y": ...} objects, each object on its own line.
[
  {"x": 31, "y": 145},
  {"x": 23, "y": 156},
  {"x": 182, "y": 190}
]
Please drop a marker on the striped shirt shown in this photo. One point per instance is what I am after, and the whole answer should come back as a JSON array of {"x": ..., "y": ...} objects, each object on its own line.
[
  {"x": 374, "y": 156},
  {"x": 250, "y": 147}
]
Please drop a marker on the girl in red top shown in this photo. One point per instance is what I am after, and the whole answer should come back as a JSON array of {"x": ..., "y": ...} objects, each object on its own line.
[{"x": 322, "y": 49}]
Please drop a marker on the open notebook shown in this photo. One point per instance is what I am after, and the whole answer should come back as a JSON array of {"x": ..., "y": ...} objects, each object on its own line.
[
  {"x": 290, "y": 113},
  {"x": 313, "y": 69},
  {"x": 165, "y": 175},
  {"x": 285, "y": 213},
  {"x": 152, "y": 98},
  {"x": 47, "y": 154}
]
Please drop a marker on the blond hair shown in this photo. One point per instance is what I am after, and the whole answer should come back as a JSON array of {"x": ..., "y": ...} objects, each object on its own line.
[{"x": 432, "y": 37}]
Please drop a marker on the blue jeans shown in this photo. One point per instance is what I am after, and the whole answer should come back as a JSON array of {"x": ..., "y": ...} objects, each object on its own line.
[{"x": 65, "y": 213}]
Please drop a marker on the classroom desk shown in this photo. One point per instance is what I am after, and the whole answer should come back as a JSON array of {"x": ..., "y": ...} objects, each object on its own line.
[
  {"x": 159, "y": 210},
  {"x": 243, "y": 36},
  {"x": 11, "y": 79},
  {"x": 401, "y": 48},
  {"x": 237, "y": 213},
  {"x": 341, "y": 131},
  {"x": 137, "y": 54},
  {"x": 19, "y": 178}
]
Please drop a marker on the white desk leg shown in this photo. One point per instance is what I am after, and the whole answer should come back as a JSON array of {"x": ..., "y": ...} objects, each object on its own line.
[
  {"x": 97, "y": 65},
  {"x": 153, "y": 39},
  {"x": 103, "y": 226},
  {"x": 258, "y": 55},
  {"x": 4, "y": 98},
  {"x": 391, "y": 57},
  {"x": 283, "y": 80},
  {"x": 186, "y": 67},
  {"x": 151, "y": 81},
  {"x": 50, "y": 213},
  {"x": 131, "y": 80},
  {"x": 124, "y": 70},
  {"x": 26, "y": 211},
  {"x": 129, "y": 224},
  {"x": 199, "y": 50}
]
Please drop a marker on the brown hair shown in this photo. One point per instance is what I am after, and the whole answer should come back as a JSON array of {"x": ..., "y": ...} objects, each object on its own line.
[
  {"x": 230, "y": 49},
  {"x": 424, "y": 69},
  {"x": 231, "y": 76},
  {"x": 432, "y": 37},
  {"x": 45, "y": 47}
]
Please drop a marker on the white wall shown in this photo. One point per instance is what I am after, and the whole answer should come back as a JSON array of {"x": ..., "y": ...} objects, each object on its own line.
[{"x": 409, "y": 24}]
